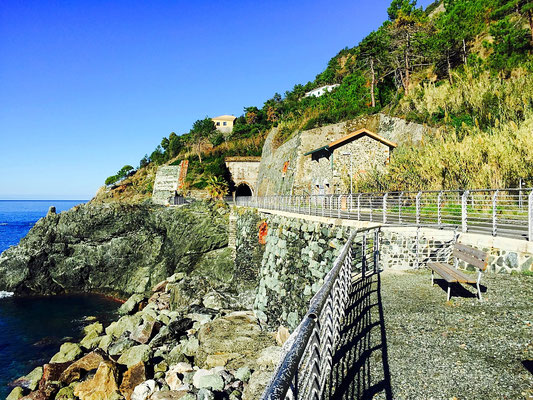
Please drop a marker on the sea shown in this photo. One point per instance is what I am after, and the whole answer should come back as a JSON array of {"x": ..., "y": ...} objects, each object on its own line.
[{"x": 33, "y": 328}]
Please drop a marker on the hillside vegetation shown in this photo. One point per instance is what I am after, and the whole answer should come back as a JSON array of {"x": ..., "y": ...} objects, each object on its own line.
[{"x": 463, "y": 66}]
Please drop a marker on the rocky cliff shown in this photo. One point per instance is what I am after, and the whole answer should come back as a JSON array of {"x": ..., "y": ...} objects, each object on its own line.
[{"x": 118, "y": 249}]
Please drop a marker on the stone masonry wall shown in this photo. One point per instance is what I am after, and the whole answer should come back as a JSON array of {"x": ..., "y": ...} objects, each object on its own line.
[{"x": 299, "y": 251}]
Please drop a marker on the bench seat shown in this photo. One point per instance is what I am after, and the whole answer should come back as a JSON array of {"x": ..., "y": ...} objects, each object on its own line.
[{"x": 450, "y": 274}]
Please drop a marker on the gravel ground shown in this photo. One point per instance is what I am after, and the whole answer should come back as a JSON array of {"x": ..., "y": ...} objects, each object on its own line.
[{"x": 402, "y": 340}]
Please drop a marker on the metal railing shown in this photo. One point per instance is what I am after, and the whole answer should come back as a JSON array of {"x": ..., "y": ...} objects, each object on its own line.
[
  {"x": 496, "y": 212},
  {"x": 308, "y": 360}
]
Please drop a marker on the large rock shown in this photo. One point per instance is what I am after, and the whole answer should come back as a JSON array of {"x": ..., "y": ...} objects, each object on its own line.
[
  {"x": 113, "y": 248},
  {"x": 236, "y": 333},
  {"x": 135, "y": 355},
  {"x": 87, "y": 363},
  {"x": 102, "y": 386},
  {"x": 131, "y": 304},
  {"x": 30, "y": 381},
  {"x": 143, "y": 333},
  {"x": 67, "y": 352},
  {"x": 15, "y": 394},
  {"x": 134, "y": 376}
]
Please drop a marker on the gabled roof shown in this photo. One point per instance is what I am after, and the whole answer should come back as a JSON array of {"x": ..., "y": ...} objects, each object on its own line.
[
  {"x": 226, "y": 118},
  {"x": 243, "y": 159},
  {"x": 356, "y": 134}
]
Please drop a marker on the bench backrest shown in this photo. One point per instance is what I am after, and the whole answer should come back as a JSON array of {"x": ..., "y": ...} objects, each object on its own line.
[{"x": 472, "y": 256}]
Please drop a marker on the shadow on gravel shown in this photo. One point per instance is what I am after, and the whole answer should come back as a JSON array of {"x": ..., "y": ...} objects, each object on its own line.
[
  {"x": 360, "y": 362},
  {"x": 458, "y": 290}
]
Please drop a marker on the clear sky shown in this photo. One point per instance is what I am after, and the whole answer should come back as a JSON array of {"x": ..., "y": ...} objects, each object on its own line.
[{"x": 89, "y": 86}]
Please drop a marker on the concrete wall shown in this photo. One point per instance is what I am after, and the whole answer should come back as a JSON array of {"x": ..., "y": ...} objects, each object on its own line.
[{"x": 299, "y": 178}]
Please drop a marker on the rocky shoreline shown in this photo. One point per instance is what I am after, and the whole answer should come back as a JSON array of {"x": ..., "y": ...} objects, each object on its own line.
[{"x": 159, "y": 349}]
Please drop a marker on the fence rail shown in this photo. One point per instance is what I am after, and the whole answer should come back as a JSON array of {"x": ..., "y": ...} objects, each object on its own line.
[
  {"x": 306, "y": 366},
  {"x": 496, "y": 212}
]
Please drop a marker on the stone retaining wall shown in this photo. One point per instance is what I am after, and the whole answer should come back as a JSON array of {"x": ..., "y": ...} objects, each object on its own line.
[{"x": 299, "y": 250}]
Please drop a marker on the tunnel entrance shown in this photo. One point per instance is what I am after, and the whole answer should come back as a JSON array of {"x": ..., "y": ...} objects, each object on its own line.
[{"x": 243, "y": 190}]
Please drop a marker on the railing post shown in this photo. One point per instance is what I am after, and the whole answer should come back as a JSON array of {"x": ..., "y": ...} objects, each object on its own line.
[
  {"x": 400, "y": 208},
  {"x": 376, "y": 250},
  {"x": 363, "y": 255},
  {"x": 464, "y": 211},
  {"x": 339, "y": 206},
  {"x": 439, "y": 210},
  {"x": 371, "y": 205},
  {"x": 385, "y": 208},
  {"x": 417, "y": 211},
  {"x": 331, "y": 206},
  {"x": 359, "y": 207},
  {"x": 417, "y": 248},
  {"x": 494, "y": 212},
  {"x": 530, "y": 212}
]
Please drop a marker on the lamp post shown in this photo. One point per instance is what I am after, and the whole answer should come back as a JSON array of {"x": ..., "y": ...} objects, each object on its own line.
[{"x": 351, "y": 170}]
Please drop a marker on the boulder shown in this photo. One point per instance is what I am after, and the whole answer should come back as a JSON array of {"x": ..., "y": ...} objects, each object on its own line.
[
  {"x": 236, "y": 333},
  {"x": 15, "y": 394},
  {"x": 30, "y": 381},
  {"x": 143, "y": 333},
  {"x": 135, "y": 355},
  {"x": 160, "y": 287},
  {"x": 282, "y": 335},
  {"x": 133, "y": 377},
  {"x": 97, "y": 327},
  {"x": 243, "y": 374},
  {"x": 169, "y": 395},
  {"x": 67, "y": 352},
  {"x": 220, "y": 360},
  {"x": 205, "y": 394},
  {"x": 66, "y": 393},
  {"x": 172, "y": 376},
  {"x": 122, "y": 344},
  {"x": 144, "y": 390},
  {"x": 87, "y": 363},
  {"x": 102, "y": 386},
  {"x": 257, "y": 384},
  {"x": 212, "y": 381},
  {"x": 198, "y": 374},
  {"x": 131, "y": 305},
  {"x": 90, "y": 341},
  {"x": 105, "y": 342},
  {"x": 126, "y": 323}
]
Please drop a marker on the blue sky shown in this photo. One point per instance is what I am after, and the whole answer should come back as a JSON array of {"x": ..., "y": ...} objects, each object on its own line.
[{"x": 88, "y": 86}]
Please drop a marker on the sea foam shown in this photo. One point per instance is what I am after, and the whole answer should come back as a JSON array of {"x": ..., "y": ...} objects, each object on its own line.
[{"x": 3, "y": 294}]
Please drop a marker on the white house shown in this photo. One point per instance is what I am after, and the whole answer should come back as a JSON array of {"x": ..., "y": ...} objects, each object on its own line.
[{"x": 321, "y": 90}]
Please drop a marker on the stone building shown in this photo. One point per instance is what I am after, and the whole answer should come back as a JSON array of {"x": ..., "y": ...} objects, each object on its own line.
[
  {"x": 224, "y": 123},
  {"x": 334, "y": 166},
  {"x": 244, "y": 171}
]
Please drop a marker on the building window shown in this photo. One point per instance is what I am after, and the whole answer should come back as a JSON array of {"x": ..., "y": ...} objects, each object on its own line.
[
  {"x": 224, "y": 123},
  {"x": 218, "y": 123}
]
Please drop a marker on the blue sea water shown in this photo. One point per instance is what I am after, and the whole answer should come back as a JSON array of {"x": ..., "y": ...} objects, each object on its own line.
[{"x": 33, "y": 328}]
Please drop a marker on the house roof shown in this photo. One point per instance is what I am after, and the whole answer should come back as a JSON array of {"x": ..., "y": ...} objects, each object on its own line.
[
  {"x": 317, "y": 150},
  {"x": 361, "y": 132},
  {"x": 225, "y": 118},
  {"x": 243, "y": 159}
]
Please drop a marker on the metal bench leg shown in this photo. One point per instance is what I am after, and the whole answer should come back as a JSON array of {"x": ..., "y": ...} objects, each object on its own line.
[
  {"x": 477, "y": 285},
  {"x": 449, "y": 291}
]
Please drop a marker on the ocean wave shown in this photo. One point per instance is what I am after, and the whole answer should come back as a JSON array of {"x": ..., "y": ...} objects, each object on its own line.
[
  {"x": 3, "y": 294},
  {"x": 3, "y": 223}
]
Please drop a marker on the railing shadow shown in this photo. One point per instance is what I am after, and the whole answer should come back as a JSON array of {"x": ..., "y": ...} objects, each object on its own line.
[{"x": 360, "y": 367}]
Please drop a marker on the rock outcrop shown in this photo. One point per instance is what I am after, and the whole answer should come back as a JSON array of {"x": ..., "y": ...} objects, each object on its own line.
[{"x": 117, "y": 249}]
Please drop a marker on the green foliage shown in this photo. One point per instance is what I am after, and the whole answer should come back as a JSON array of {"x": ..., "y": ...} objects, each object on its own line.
[
  {"x": 216, "y": 186},
  {"x": 510, "y": 47},
  {"x": 124, "y": 172}
]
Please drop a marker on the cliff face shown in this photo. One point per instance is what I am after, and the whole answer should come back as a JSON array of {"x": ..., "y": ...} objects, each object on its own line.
[{"x": 114, "y": 249}]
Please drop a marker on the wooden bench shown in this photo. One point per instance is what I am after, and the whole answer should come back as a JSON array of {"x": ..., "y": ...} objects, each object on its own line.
[{"x": 472, "y": 256}]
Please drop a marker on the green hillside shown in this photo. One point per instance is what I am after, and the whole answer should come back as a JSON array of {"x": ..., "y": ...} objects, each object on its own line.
[{"x": 463, "y": 66}]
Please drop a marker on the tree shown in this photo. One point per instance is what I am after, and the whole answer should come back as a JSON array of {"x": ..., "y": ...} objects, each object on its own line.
[
  {"x": 524, "y": 8},
  {"x": 408, "y": 34},
  {"x": 511, "y": 45},
  {"x": 201, "y": 130},
  {"x": 373, "y": 51},
  {"x": 217, "y": 187}
]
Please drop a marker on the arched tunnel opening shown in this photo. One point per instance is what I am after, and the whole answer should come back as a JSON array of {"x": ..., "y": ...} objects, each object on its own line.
[{"x": 243, "y": 190}]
